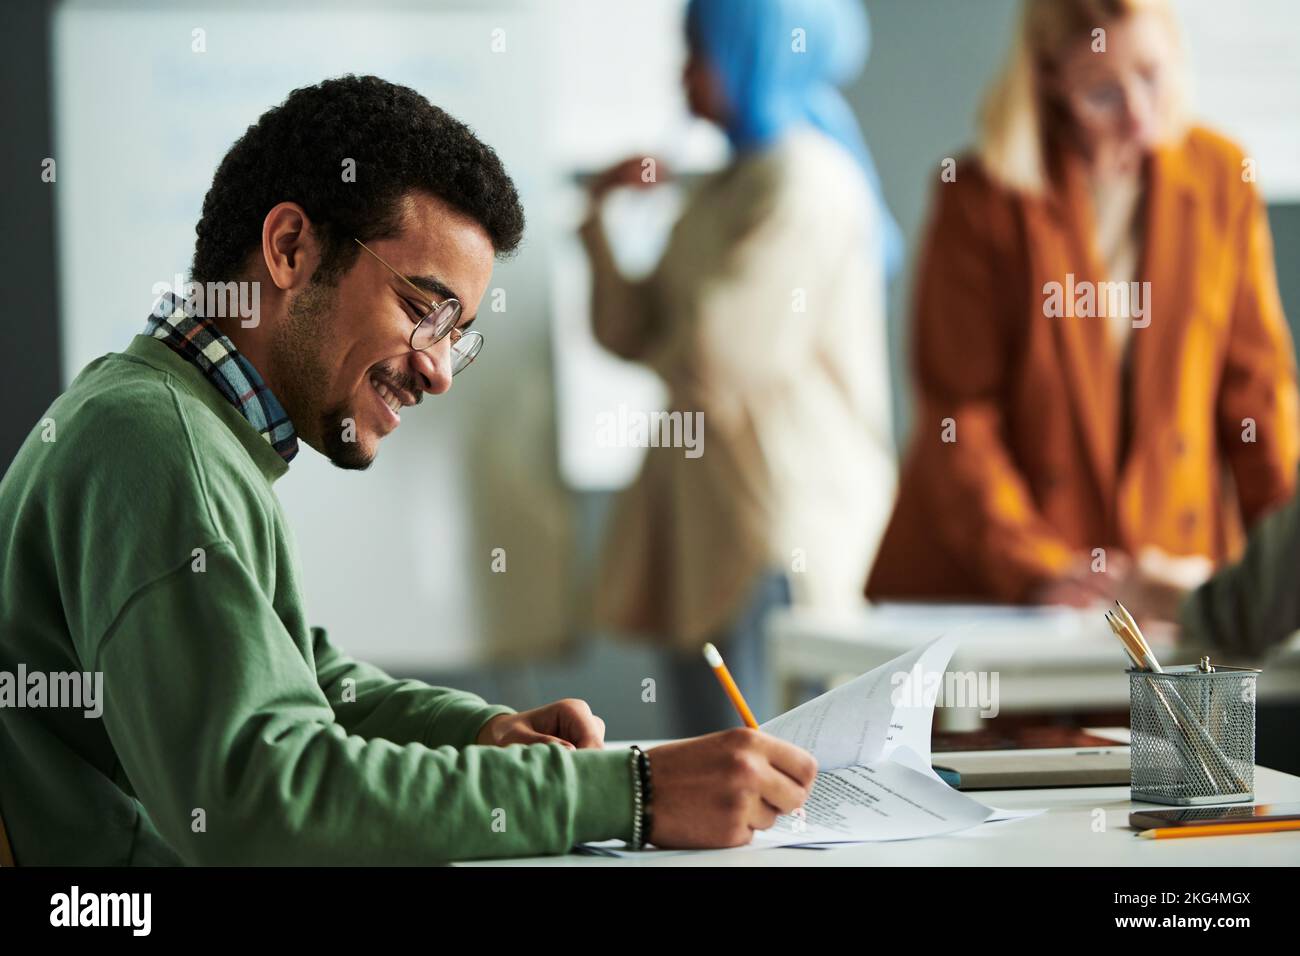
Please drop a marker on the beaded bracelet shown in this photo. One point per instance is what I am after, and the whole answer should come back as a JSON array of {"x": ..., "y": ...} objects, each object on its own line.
[{"x": 641, "y": 795}]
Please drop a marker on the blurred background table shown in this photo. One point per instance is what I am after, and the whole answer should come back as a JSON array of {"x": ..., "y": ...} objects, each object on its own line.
[{"x": 1046, "y": 660}]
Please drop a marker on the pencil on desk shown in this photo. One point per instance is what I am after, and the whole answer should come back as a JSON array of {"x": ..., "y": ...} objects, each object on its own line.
[
  {"x": 1219, "y": 829},
  {"x": 724, "y": 678}
]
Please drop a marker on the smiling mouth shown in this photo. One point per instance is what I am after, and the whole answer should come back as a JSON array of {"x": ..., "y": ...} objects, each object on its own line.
[{"x": 389, "y": 396}]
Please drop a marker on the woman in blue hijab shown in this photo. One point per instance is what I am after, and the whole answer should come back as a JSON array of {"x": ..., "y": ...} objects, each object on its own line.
[
  {"x": 765, "y": 318},
  {"x": 780, "y": 63}
]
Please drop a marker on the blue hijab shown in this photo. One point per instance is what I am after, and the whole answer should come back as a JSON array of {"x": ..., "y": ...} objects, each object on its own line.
[{"x": 771, "y": 87}]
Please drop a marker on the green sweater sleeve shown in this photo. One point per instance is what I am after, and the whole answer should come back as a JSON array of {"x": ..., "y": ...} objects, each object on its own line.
[
  {"x": 236, "y": 754},
  {"x": 369, "y": 703}
]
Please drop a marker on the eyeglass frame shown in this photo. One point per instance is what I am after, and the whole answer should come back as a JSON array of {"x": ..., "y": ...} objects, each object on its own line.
[{"x": 434, "y": 306}]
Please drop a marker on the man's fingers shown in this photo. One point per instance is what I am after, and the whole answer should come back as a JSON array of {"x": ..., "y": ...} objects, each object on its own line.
[
  {"x": 765, "y": 816},
  {"x": 573, "y": 719},
  {"x": 523, "y": 735},
  {"x": 781, "y": 792},
  {"x": 795, "y": 762},
  {"x": 588, "y": 733}
]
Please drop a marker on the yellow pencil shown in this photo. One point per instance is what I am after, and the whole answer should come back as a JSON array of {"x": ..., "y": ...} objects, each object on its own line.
[
  {"x": 1220, "y": 829},
  {"x": 1125, "y": 638},
  {"x": 724, "y": 678},
  {"x": 1147, "y": 654}
]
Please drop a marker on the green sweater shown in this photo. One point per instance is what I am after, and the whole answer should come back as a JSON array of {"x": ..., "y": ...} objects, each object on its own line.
[{"x": 145, "y": 542}]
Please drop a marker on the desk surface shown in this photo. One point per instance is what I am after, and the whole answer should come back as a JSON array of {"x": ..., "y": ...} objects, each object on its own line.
[{"x": 1070, "y": 833}]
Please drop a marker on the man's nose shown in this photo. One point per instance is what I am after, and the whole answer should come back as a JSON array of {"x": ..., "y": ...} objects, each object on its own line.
[{"x": 432, "y": 367}]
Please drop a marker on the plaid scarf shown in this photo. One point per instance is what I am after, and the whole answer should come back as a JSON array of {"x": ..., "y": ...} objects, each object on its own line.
[{"x": 199, "y": 341}]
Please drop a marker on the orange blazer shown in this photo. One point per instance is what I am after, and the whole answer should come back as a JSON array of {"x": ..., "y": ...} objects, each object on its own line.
[{"x": 1017, "y": 465}]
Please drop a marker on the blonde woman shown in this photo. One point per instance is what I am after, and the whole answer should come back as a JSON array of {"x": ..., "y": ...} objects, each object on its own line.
[
  {"x": 766, "y": 314},
  {"x": 1066, "y": 422}
]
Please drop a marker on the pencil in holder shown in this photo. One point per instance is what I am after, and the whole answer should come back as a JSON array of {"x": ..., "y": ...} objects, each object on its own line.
[{"x": 1193, "y": 734}]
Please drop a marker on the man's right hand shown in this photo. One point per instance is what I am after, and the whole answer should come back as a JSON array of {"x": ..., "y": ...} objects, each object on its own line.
[{"x": 714, "y": 791}]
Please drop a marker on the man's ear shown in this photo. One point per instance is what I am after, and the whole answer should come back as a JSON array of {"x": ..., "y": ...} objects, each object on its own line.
[{"x": 290, "y": 246}]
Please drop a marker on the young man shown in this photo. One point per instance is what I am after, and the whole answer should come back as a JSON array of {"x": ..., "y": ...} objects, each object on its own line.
[{"x": 140, "y": 539}]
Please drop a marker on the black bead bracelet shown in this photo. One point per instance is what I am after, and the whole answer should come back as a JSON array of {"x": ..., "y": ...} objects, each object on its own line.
[{"x": 642, "y": 792}]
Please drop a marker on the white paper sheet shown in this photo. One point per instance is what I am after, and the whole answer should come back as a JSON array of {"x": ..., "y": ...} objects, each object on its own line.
[
  {"x": 864, "y": 720},
  {"x": 884, "y": 801}
]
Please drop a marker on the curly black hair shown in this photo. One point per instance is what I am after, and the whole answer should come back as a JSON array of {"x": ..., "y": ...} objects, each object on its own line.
[{"x": 295, "y": 153}]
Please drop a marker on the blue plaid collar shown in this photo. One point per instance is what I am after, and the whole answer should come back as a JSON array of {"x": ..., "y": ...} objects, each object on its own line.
[{"x": 199, "y": 341}]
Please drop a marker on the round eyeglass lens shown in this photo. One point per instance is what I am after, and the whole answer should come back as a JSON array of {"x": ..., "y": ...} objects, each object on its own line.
[
  {"x": 464, "y": 351},
  {"x": 437, "y": 324}
]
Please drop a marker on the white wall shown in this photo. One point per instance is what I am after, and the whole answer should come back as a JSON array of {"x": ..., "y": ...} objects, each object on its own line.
[{"x": 617, "y": 93}]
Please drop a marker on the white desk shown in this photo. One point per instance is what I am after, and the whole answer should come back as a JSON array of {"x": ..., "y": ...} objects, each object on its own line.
[
  {"x": 1045, "y": 659},
  {"x": 1066, "y": 835}
]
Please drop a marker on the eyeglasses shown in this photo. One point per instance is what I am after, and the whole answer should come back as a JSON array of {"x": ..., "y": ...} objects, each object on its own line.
[{"x": 436, "y": 322}]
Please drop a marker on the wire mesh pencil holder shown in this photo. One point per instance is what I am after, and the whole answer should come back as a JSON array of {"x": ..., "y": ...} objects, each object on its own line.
[{"x": 1193, "y": 734}]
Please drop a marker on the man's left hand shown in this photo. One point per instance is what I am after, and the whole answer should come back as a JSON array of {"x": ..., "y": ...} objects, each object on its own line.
[{"x": 569, "y": 723}]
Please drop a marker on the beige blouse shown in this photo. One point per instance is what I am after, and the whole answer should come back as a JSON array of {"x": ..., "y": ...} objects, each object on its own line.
[
  {"x": 767, "y": 314},
  {"x": 1117, "y": 224}
]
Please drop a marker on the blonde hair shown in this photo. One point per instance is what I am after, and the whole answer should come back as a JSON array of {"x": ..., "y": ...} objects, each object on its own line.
[{"x": 1015, "y": 121}]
